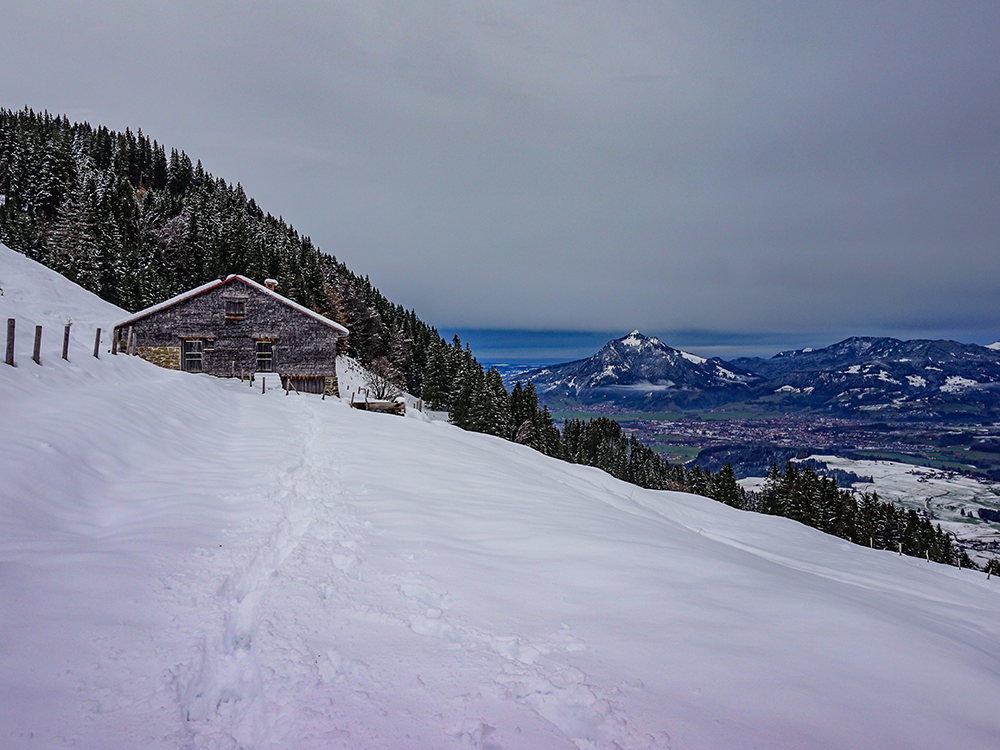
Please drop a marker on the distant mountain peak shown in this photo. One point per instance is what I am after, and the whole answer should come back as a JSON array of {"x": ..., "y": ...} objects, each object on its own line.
[
  {"x": 636, "y": 340},
  {"x": 994, "y": 345},
  {"x": 636, "y": 367}
]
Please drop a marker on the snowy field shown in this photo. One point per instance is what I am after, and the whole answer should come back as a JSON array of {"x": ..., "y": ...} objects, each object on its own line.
[
  {"x": 186, "y": 562},
  {"x": 944, "y": 494}
]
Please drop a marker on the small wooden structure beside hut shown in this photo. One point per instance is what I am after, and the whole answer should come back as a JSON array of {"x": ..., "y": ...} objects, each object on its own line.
[
  {"x": 236, "y": 327},
  {"x": 385, "y": 406}
]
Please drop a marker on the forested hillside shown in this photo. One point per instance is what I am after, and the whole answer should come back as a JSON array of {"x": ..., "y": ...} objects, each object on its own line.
[{"x": 124, "y": 218}]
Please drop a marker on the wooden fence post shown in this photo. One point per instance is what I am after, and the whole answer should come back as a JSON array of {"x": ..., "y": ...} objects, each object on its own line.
[
  {"x": 131, "y": 342},
  {"x": 10, "y": 343},
  {"x": 36, "y": 351},
  {"x": 97, "y": 344},
  {"x": 66, "y": 341},
  {"x": 114, "y": 341},
  {"x": 263, "y": 383}
]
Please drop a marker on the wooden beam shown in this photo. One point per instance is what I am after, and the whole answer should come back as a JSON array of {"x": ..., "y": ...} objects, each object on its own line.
[
  {"x": 36, "y": 351},
  {"x": 10, "y": 343}
]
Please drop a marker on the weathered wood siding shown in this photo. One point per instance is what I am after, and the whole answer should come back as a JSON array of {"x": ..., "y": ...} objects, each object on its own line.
[{"x": 302, "y": 345}]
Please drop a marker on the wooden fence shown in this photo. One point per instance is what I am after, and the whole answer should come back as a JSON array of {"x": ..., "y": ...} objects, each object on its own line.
[{"x": 36, "y": 349}]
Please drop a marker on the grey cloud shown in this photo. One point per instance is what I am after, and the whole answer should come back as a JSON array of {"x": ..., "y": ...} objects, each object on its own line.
[{"x": 733, "y": 166}]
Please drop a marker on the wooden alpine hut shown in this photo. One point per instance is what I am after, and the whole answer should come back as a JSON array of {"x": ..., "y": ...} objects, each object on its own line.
[{"x": 237, "y": 327}]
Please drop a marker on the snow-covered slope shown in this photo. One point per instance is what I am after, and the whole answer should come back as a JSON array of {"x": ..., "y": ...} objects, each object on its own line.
[
  {"x": 188, "y": 563},
  {"x": 33, "y": 294}
]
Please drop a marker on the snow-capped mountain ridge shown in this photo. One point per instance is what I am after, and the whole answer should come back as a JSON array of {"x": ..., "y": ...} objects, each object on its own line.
[
  {"x": 874, "y": 373},
  {"x": 854, "y": 375},
  {"x": 635, "y": 365},
  {"x": 868, "y": 350}
]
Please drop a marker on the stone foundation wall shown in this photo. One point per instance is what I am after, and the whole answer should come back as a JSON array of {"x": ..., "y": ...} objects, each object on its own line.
[
  {"x": 332, "y": 386},
  {"x": 163, "y": 356}
]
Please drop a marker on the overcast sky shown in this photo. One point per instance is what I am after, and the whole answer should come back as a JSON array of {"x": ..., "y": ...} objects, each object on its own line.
[{"x": 741, "y": 171}]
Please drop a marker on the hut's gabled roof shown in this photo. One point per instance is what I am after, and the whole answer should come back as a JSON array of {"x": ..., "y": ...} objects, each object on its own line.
[{"x": 230, "y": 279}]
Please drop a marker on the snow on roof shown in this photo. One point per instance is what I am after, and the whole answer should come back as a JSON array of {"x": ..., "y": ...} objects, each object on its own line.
[{"x": 212, "y": 284}]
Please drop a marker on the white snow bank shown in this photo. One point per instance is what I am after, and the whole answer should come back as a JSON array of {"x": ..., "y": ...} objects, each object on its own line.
[{"x": 186, "y": 562}]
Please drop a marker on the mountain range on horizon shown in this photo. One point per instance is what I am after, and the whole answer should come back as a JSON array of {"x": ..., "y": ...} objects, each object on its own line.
[{"x": 860, "y": 375}]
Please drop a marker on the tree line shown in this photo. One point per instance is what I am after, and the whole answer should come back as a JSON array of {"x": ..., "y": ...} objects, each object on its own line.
[{"x": 125, "y": 219}]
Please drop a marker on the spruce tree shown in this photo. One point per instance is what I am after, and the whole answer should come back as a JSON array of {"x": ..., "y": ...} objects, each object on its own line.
[
  {"x": 73, "y": 250},
  {"x": 725, "y": 489}
]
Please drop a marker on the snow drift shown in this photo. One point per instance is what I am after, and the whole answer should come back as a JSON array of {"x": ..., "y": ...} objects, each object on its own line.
[{"x": 186, "y": 562}]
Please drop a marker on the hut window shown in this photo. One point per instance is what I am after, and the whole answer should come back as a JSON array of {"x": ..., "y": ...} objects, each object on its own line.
[
  {"x": 236, "y": 308},
  {"x": 265, "y": 356},
  {"x": 209, "y": 345},
  {"x": 192, "y": 355}
]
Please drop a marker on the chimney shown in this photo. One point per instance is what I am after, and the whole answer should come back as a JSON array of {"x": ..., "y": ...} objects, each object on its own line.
[{"x": 271, "y": 283}]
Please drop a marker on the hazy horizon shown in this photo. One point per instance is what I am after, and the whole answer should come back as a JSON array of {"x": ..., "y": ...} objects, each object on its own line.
[{"x": 550, "y": 347}]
